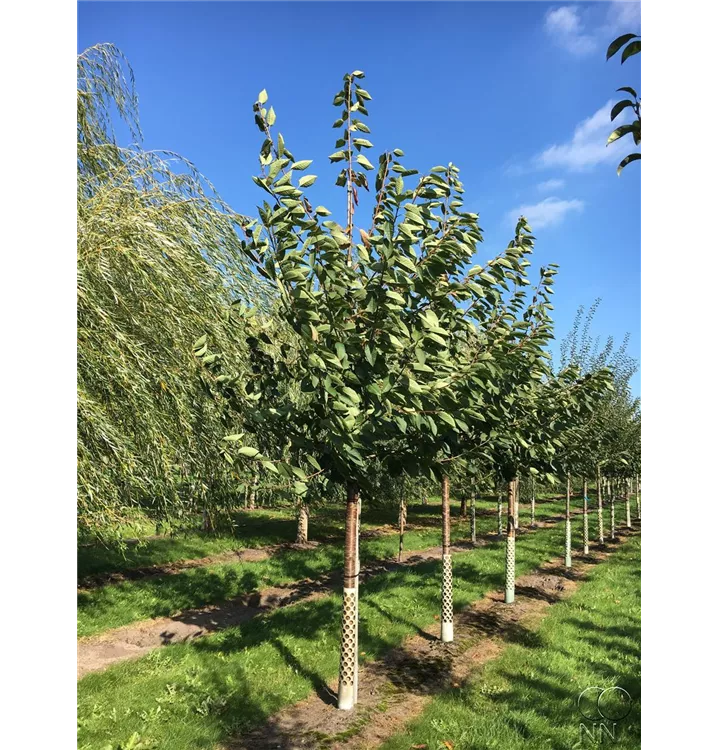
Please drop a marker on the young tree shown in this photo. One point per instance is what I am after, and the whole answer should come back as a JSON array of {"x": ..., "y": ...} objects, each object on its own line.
[
  {"x": 375, "y": 320},
  {"x": 631, "y": 45}
]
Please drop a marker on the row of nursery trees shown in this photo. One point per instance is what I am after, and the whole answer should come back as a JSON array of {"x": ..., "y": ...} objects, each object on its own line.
[
  {"x": 331, "y": 354},
  {"x": 385, "y": 346}
]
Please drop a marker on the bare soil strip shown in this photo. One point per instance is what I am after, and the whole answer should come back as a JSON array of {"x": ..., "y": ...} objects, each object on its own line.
[
  {"x": 98, "y": 652},
  {"x": 245, "y": 554},
  {"x": 397, "y": 688}
]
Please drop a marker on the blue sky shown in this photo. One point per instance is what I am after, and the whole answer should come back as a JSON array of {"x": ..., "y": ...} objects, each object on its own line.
[{"x": 517, "y": 94}]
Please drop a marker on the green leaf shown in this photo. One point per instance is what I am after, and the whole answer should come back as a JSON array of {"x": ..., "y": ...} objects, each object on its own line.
[
  {"x": 446, "y": 418},
  {"x": 313, "y": 461},
  {"x": 616, "y": 44},
  {"x": 248, "y": 451},
  {"x": 298, "y": 166},
  {"x": 629, "y": 90},
  {"x": 361, "y": 159},
  {"x": 351, "y": 394},
  {"x": 233, "y": 438},
  {"x": 262, "y": 98},
  {"x": 625, "y": 162},
  {"x": 322, "y": 211},
  {"x": 619, "y": 132},
  {"x": 269, "y": 466},
  {"x": 300, "y": 488},
  {"x": 271, "y": 117},
  {"x": 618, "y": 108},
  {"x": 307, "y": 180},
  {"x": 633, "y": 49},
  {"x": 358, "y": 74}
]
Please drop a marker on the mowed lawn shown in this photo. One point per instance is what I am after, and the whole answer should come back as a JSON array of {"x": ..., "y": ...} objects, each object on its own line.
[
  {"x": 198, "y": 694},
  {"x": 117, "y": 604},
  {"x": 527, "y": 699}
]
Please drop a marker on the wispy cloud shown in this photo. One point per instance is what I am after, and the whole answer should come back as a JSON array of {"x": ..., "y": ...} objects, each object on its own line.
[
  {"x": 623, "y": 18},
  {"x": 583, "y": 31},
  {"x": 565, "y": 27},
  {"x": 549, "y": 185},
  {"x": 548, "y": 212},
  {"x": 587, "y": 147}
]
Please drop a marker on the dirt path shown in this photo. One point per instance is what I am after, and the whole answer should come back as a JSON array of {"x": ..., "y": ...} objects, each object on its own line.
[
  {"x": 397, "y": 688},
  {"x": 245, "y": 554},
  {"x": 98, "y": 652}
]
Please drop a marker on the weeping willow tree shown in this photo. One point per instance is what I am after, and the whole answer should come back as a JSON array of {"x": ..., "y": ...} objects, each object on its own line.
[{"x": 159, "y": 267}]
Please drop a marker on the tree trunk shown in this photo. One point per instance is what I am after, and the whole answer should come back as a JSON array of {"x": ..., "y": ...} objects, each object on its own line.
[
  {"x": 207, "y": 524},
  {"x": 612, "y": 500},
  {"x": 599, "y": 502},
  {"x": 350, "y": 604},
  {"x": 462, "y": 512},
  {"x": 533, "y": 503},
  {"x": 498, "y": 514},
  {"x": 638, "y": 497},
  {"x": 358, "y": 570},
  {"x": 567, "y": 553},
  {"x": 253, "y": 491},
  {"x": 510, "y": 583},
  {"x": 447, "y": 584},
  {"x": 303, "y": 523},
  {"x": 425, "y": 500},
  {"x": 402, "y": 523},
  {"x": 627, "y": 488},
  {"x": 517, "y": 496},
  {"x": 585, "y": 516},
  {"x": 473, "y": 516}
]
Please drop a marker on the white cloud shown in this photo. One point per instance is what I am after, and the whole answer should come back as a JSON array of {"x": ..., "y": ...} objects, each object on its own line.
[
  {"x": 623, "y": 18},
  {"x": 548, "y": 212},
  {"x": 588, "y": 147},
  {"x": 565, "y": 27},
  {"x": 549, "y": 185}
]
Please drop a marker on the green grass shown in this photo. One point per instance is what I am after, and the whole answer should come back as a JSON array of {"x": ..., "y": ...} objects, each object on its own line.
[
  {"x": 257, "y": 528},
  {"x": 118, "y": 604},
  {"x": 197, "y": 694},
  {"x": 527, "y": 698}
]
